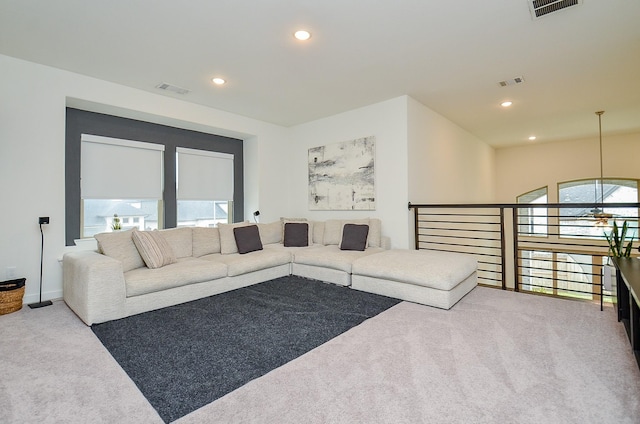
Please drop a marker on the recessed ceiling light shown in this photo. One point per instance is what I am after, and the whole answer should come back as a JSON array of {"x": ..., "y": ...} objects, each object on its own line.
[
  {"x": 218, "y": 81},
  {"x": 506, "y": 104},
  {"x": 302, "y": 35},
  {"x": 533, "y": 137}
]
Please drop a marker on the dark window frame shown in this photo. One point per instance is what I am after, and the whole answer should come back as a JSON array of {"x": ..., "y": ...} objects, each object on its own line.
[{"x": 80, "y": 122}]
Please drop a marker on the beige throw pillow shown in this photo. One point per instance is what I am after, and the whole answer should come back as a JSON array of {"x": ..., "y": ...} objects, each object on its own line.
[{"x": 153, "y": 248}]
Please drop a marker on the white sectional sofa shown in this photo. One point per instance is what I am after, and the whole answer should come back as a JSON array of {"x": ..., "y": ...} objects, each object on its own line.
[{"x": 117, "y": 281}]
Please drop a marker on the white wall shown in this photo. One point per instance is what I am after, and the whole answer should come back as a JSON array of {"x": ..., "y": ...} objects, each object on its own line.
[
  {"x": 525, "y": 168},
  {"x": 32, "y": 140},
  {"x": 446, "y": 163},
  {"x": 420, "y": 156},
  {"x": 388, "y": 123}
]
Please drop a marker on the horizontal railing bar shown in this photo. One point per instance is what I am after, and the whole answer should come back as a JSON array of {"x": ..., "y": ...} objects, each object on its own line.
[
  {"x": 559, "y": 279},
  {"x": 560, "y": 271},
  {"x": 564, "y": 289},
  {"x": 464, "y": 222},
  {"x": 458, "y": 214},
  {"x": 490, "y": 263},
  {"x": 459, "y": 237},
  {"x": 457, "y": 251},
  {"x": 525, "y": 205},
  {"x": 561, "y": 262},
  {"x": 463, "y": 245},
  {"x": 459, "y": 229},
  {"x": 557, "y": 261},
  {"x": 581, "y": 217},
  {"x": 564, "y": 236},
  {"x": 489, "y": 279},
  {"x": 558, "y": 225},
  {"x": 554, "y": 243}
]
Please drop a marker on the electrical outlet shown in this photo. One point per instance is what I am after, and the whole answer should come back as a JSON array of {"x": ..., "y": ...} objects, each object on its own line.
[
  {"x": 11, "y": 272},
  {"x": 43, "y": 220}
]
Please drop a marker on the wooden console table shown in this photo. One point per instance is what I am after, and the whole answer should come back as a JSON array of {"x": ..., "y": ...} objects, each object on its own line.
[{"x": 628, "y": 290}]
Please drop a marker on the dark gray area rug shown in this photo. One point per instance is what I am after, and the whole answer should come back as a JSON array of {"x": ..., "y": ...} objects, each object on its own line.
[{"x": 186, "y": 356}]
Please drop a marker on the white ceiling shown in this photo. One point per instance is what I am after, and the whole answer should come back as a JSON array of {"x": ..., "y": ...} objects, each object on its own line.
[{"x": 449, "y": 55}]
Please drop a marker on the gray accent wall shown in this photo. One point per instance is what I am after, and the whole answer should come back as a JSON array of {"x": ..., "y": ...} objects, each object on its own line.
[{"x": 80, "y": 122}]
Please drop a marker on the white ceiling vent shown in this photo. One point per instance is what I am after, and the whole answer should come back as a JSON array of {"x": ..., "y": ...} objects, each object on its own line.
[
  {"x": 512, "y": 81},
  {"x": 174, "y": 88},
  {"x": 540, "y": 8}
]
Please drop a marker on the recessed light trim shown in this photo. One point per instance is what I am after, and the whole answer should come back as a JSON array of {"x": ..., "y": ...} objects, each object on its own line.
[
  {"x": 506, "y": 103},
  {"x": 218, "y": 81},
  {"x": 302, "y": 35},
  {"x": 532, "y": 137}
]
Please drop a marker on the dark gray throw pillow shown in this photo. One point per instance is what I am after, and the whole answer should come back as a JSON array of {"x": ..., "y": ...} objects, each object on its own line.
[
  {"x": 247, "y": 238},
  {"x": 296, "y": 234},
  {"x": 354, "y": 237}
]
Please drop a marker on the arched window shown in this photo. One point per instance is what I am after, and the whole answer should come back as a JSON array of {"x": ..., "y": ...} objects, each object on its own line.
[
  {"x": 593, "y": 221},
  {"x": 533, "y": 221}
]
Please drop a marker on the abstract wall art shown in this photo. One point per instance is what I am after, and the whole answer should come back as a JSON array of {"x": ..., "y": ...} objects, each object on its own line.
[{"x": 342, "y": 175}]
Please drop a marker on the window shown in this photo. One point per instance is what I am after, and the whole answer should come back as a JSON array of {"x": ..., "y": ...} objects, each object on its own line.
[
  {"x": 533, "y": 221},
  {"x": 86, "y": 215},
  {"x": 121, "y": 180},
  {"x": 204, "y": 187},
  {"x": 592, "y": 222}
]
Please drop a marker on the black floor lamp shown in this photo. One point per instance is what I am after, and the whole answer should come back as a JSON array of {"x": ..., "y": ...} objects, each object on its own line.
[{"x": 40, "y": 304}]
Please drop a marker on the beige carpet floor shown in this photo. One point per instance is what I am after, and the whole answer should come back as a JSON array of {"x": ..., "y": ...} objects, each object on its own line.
[{"x": 496, "y": 357}]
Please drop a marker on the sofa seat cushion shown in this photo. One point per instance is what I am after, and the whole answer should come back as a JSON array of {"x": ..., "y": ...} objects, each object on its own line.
[
  {"x": 332, "y": 257},
  {"x": 238, "y": 264},
  {"x": 438, "y": 270},
  {"x": 186, "y": 271}
]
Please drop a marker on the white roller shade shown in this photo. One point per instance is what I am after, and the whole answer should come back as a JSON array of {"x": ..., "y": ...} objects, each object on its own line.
[
  {"x": 204, "y": 175},
  {"x": 112, "y": 168}
]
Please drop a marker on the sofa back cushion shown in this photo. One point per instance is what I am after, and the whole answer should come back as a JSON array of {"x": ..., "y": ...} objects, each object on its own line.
[
  {"x": 154, "y": 248},
  {"x": 205, "y": 241},
  {"x": 119, "y": 245},
  {"x": 375, "y": 233},
  {"x": 180, "y": 240},
  {"x": 227, "y": 239},
  {"x": 318, "y": 232},
  {"x": 333, "y": 230},
  {"x": 270, "y": 233}
]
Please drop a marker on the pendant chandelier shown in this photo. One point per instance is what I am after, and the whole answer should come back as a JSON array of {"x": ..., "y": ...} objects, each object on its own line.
[{"x": 601, "y": 218}]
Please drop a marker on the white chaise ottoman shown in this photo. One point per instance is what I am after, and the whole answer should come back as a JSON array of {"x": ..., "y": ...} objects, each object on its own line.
[{"x": 437, "y": 279}]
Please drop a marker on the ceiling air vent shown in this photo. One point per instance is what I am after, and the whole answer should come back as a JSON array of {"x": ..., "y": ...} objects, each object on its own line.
[
  {"x": 512, "y": 81},
  {"x": 174, "y": 88},
  {"x": 540, "y": 8}
]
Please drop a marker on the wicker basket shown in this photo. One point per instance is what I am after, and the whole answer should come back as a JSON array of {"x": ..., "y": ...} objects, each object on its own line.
[{"x": 11, "y": 293}]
